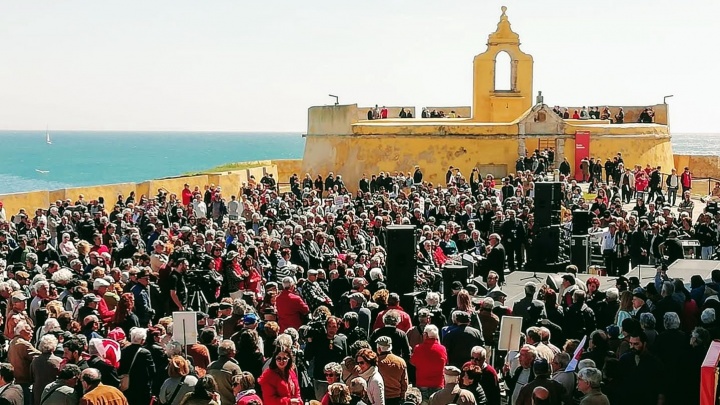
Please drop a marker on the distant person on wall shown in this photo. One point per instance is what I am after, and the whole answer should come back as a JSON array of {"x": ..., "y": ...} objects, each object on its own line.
[
  {"x": 565, "y": 167},
  {"x": 585, "y": 169},
  {"x": 409, "y": 114},
  {"x": 584, "y": 114},
  {"x": 403, "y": 113},
  {"x": 685, "y": 180},
  {"x": 370, "y": 115},
  {"x": 576, "y": 115},
  {"x": 620, "y": 116}
]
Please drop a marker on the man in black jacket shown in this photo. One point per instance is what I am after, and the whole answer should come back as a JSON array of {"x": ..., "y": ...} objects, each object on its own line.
[
  {"x": 655, "y": 184},
  {"x": 461, "y": 338},
  {"x": 138, "y": 363},
  {"x": 513, "y": 237},
  {"x": 495, "y": 258},
  {"x": 640, "y": 245}
]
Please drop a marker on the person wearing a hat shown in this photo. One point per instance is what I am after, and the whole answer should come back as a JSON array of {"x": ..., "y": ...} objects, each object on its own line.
[
  {"x": 89, "y": 307},
  {"x": 639, "y": 303},
  {"x": 17, "y": 313},
  {"x": 100, "y": 286},
  {"x": 143, "y": 303},
  {"x": 461, "y": 338},
  {"x": 452, "y": 393},
  {"x": 393, "y": 370},
  {"x": 541, "y": 369}
]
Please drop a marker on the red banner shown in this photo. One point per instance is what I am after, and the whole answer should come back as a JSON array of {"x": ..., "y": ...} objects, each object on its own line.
[
  {"x": 582, "y": 151},
  {"x": 709, "y": 375}
]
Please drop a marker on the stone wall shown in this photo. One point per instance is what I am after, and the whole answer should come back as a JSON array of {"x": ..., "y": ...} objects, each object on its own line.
[{"x": 231, "y": 181}]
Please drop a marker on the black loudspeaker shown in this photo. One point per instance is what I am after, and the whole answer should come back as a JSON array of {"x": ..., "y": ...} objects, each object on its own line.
[
  {"x": 548, "y": 200},
  {"x": 579, "y": 251},
  {"x": 451, "y": 273},
  {"x": 401, "y": 263},
  {"x": 580, "y": 222},
  {"x": 547, "y": 251}
]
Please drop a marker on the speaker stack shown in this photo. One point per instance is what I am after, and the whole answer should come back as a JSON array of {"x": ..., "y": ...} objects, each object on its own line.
[
  {"x": 548, "y": 251},
  {"x": 548, "y": 200},
  {"x": 401, "y": 263},
  {"x": 580, "y": 243}
]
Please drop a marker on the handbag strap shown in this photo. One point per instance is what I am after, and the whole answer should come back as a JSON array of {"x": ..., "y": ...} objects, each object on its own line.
[
  {"x": 132, "y": 363},
  {"x": 177, "y": 389}
]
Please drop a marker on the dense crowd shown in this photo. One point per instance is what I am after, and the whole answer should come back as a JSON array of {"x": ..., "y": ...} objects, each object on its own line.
[{"x": 291, "y": 302}]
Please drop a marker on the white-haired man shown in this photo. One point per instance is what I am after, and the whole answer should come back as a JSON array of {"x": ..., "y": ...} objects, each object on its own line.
[
  {"x": 21, "y": 354},
  {"x": 523, "y": 374},
  {"x": 489, "y": 378},
  {"x": 42, "y": 297},
  {"x": 45, "y": 367},
  {"x": 137, "y": 362},
  {"x": 429, "y": 359},
  {"x": 589, "y": 381}
]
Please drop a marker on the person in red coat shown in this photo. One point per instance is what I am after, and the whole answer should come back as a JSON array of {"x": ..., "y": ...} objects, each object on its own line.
[
  {"x": 279, "y": 382},
  {"x": 429, "y": 359},
  {"x": 393, "y": 302},
  {"x": 290, "y": 306},
  {"x": 244, "y": 389}
]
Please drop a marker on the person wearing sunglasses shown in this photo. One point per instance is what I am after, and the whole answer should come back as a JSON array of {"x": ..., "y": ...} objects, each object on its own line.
[
  {"x": 279, "y": 382},
  {"x": 366, "y": 367}
]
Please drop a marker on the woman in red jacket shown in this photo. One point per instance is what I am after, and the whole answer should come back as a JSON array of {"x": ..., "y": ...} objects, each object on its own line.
[
  {"x": 252, "y": 276},
  {"x": 279, "y": 382}
]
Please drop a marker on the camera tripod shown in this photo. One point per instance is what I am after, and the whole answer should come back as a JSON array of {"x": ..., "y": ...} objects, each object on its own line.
[{"x": 197, "y": 301}]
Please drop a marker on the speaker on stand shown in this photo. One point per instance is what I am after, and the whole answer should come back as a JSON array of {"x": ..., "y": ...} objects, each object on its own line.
[{"x": 401, "y": 263}]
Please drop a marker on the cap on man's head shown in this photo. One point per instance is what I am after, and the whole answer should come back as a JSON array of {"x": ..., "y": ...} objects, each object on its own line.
[
  {"x": 541, "y": 367},
  {"x": 639, "y": 293},
  {"x": 312, "y": 272},
  {"x": 99, "y": 283},
  {"x": 91, "y": 298},
  {"x": 250, "y": 319},
  {"x": 451, "y": 371},
  {"x": 18, "y": 296},
  {"x": 457, "y": 286}
]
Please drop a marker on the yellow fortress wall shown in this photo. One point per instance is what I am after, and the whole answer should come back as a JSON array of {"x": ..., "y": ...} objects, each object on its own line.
[{"x": 503, "y": 124}]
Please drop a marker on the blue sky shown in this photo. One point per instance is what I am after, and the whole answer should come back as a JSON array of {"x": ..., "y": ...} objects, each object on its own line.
[{"x": 258, "y": 66}]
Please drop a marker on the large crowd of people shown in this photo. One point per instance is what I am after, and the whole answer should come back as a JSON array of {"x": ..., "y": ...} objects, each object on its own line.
[{"x": 291, "y": 303}]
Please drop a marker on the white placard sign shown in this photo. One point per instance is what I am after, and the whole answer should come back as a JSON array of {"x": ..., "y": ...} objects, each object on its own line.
[
  {"x": 510, "y": 330},
  {"x": 185, "y": 327}
]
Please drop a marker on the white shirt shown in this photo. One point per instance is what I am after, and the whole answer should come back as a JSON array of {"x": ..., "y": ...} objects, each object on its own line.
[{"x": 608, "y": 241}]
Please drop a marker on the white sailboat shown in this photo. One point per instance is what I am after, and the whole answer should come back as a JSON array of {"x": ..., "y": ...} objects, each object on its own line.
[{"x": 47, "y": 137}]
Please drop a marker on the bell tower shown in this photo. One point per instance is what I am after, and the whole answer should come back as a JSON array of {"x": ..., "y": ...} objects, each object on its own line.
[{"x": 497, "y": 98}]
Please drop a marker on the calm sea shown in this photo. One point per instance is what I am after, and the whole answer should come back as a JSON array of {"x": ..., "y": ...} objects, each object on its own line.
[
  {"x": 84, "y": 158},
  {"x": 88, "y": 158}
]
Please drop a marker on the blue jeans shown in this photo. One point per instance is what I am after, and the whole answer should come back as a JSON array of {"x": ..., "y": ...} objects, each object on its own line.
[{"x": 706, "y": 252}]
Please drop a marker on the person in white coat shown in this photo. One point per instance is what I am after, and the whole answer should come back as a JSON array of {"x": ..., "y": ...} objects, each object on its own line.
[{"x": 366, "y": 361}]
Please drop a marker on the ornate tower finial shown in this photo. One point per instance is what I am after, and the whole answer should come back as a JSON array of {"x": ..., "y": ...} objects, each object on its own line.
[{"x": 503, "y": 34}]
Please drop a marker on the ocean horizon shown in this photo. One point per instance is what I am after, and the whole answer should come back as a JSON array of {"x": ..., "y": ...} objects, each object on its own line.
[{"x": 85, "y": 158}]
